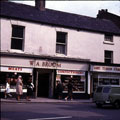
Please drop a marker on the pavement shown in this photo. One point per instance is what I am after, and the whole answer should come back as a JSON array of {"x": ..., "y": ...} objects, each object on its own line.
[{"x": 44, "y": 100}]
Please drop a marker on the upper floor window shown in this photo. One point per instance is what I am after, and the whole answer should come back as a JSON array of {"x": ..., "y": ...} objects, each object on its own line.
[
  {"x": 108, "y": 38},
  {"x": 61, "y": 43},
  {"x": 108, "y": 57},
  {"x": 17, "y": 39}
]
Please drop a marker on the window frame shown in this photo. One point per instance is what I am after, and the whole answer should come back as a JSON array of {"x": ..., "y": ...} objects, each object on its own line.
[
  {"x": 18, "y": 38},
  {"x": 108, "y": 58},
  {"x": 108, "y": 39},
  {"x": 61, "y": 43}
]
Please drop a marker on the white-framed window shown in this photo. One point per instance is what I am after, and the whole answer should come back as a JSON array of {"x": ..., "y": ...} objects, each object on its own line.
[
  {"x": 108, "y": 56},
  {"x": 61, "y": 43},
  {"x": 17, "y": 39},
  {"x": 108, "y": 38}
]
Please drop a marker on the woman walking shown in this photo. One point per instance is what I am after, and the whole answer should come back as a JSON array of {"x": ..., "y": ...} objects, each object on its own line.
[{"x": 19, "y": 87}]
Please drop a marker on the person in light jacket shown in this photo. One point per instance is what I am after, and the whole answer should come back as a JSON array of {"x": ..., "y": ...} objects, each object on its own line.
[
  {"x": 19, "y": 87},
  {"x": 7, "y": 88}
]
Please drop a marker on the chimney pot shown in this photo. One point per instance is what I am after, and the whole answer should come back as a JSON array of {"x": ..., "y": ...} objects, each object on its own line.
[{"x": 40, "y": 4}]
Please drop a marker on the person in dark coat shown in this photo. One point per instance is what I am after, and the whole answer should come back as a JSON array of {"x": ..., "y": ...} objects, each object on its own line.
[
  {"x": 70, "y": 90},
  {"x": 30, "y": 87},
  {"x": 59, "y": 89}
]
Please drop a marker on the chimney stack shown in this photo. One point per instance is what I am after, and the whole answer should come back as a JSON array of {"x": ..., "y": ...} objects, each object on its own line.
[
  {"x": 40, "y": 4},
  {"x": 102, "y": 13}
]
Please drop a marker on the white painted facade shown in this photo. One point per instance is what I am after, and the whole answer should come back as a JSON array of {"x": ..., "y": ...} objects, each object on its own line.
[{"x": 41, "y": 40}]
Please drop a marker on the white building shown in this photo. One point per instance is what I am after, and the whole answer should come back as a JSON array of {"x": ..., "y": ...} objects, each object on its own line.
[{"x": 51, "y": 45}]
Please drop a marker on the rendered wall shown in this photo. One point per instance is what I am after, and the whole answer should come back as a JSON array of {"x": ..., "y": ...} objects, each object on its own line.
[{"x": 41, "y": 40}]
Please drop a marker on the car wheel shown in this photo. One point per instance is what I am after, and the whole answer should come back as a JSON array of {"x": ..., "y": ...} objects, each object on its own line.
[
  {"x": 98, "y": 105},
  {"x": 117, "y": 104}
]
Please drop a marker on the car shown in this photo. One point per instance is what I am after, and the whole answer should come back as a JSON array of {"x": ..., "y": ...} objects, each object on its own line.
[{"x": 107, "y": 94}]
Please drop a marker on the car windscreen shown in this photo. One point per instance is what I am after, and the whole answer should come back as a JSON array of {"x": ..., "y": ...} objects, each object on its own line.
[
  {"x": 106, "y": 89},
  {"x": 99, "y": 90}
]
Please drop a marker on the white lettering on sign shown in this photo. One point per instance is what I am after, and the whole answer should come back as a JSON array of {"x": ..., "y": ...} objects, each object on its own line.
[
  {"x": 70, "y": 72},
  {"x": 106, "y": 69}
]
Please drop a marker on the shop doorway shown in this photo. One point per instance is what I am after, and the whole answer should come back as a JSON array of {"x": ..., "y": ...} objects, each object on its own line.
[{"x": 43, "y": 85}]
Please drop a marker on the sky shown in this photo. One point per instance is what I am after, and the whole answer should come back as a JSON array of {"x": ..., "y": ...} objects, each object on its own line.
[{"x": 86, "y": 7}]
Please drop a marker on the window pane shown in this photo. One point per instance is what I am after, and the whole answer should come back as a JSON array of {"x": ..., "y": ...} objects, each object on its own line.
[
  {"x": 60, "y": 49},
  {"x": 108, "y": 54},
  {"x": 106, "y": 81},
  {"x": 109, "y": 38},
  {"x": 17, "y": 31},
  {"x": 61, "y": 37},
  {"x": 16, "y": 44},
  {"x": 106, "y": 90},
  {"x": 114, "y": 81},
  {"x": 108, "y": 57},
  {"x": 108, "y": 61}
]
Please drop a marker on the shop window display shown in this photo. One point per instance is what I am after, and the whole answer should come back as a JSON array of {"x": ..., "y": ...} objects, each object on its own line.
[
  {"x": 107, "y": 81},
  {"x": 13, "y": 79},
  {"x": 77, "y": 81},
  {"x": 104, "y": 81}
]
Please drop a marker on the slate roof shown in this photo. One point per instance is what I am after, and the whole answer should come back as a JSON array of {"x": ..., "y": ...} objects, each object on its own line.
[{"x": 57, "y": 18}]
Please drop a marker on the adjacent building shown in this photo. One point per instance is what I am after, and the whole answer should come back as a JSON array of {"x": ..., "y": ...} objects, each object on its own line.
[
  {"x": 105, "y": 14},
  {"x": 51, "y": 46}
]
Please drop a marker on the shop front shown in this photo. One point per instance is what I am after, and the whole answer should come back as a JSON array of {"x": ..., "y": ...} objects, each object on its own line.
[
  {"x": 45, "y": 73},
  {"x": 13, "y": 72},
  {"x": 78, "y": 79},
  {"x": 104, "y": 75},
  {"x": 48, "y": 72}
]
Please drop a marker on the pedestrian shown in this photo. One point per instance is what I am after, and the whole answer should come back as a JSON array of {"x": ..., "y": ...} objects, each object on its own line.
[
  {"x": 19, "y": 87},
  {"x": 30, "y": 87},
  {"x": 7, "y": 88},
  {"x": 59, "y": 89},
  {"x": 70, "y": 90}
]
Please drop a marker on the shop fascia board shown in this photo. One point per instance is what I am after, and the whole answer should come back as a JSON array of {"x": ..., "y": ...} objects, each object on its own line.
[
  {"x": 47, "y": 57},
  {"x": 103, "y": 64}
]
